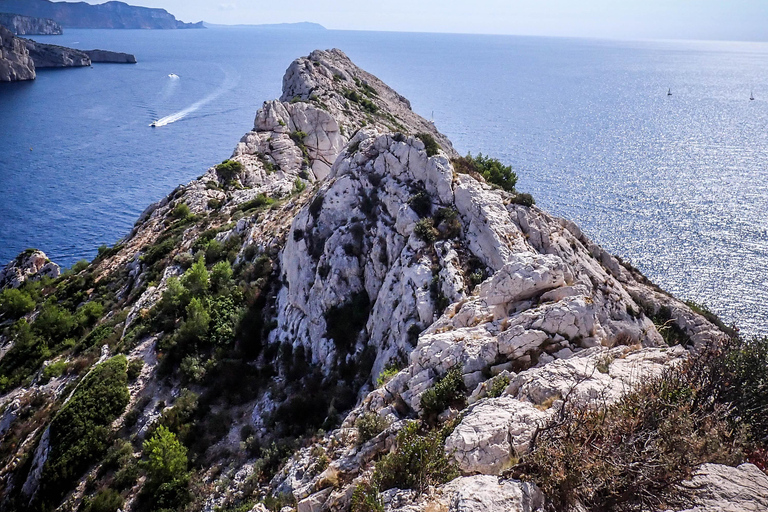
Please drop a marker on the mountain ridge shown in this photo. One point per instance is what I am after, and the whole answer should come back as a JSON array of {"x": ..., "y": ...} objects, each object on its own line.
[{"x": 111, "y": 14}]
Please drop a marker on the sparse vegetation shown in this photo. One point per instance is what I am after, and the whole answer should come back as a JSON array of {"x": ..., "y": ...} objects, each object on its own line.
[
  {"x": 369, "y": 425},
  {"x": 449, "y": 390},
  {"x": 228, "y": 170},
  {"x": 492, "y": 170},
  {"x": 430, "y": 144},
  {"x": 425, "y": 230}
]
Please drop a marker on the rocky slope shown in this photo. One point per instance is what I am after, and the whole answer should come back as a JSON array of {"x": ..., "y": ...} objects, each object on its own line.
[
  {"x": 54, "y": 56},
  {"x": 107, "y": 56},
  {"x": 342, "y": 291},
  {"x": 15, "y": 62},
  {"x": 28, "y": 26},
  {"x": 105, "y": 15}
]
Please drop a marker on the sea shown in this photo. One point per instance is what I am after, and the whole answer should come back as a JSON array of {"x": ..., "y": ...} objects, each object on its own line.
[{"x": 677, "y": 184}]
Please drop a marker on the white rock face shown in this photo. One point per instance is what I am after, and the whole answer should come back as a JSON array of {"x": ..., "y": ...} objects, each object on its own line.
[
  {"x": 494, "y": 431},
  {"x": 721, "y": 488},
  {"x": 31, "y": 264},
  {"x": 484, "y": 493},
  {"x": 15, "y": 62}
]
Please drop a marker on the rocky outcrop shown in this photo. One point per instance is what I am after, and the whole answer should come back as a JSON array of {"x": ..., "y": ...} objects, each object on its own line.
[
  {"x": 105, "y": 15},
  {"x": 107, "y": 56},
  {"x": 53, "y": 56},
  {"x": 29, "y": 26},
  {"x": 719, "y": 488},
  {"x": 30, "y": 264},
  {"x": 15, "y": 62}
]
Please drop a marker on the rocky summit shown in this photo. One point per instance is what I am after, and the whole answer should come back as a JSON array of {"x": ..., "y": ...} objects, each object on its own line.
[{"x": 348, "y": 315}]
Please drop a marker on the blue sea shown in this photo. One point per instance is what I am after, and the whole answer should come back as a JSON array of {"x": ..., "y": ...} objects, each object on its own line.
[{"x": 678, "y": 185}]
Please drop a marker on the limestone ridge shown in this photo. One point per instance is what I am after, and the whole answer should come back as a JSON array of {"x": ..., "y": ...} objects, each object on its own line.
[
  {"x": 362, "y": 252},
  {"x": 28, "y": 26}
]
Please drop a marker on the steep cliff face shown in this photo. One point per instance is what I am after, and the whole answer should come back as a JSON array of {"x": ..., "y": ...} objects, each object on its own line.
[
  {"x": 15, "y": 62},
  {"x": 110, "y": 57},
  {"x": 54, "y": 56},
  {"x": 29, "y": 26},
  {"x": 105, "y": 15},
  {"x": 339, "y": 292}
]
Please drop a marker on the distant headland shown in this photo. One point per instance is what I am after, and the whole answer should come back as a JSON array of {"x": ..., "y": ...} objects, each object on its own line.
[{"x": 106, "y": 15}]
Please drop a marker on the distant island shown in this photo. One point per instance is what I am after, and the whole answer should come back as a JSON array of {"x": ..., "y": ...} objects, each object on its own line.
[
  {"x": 303, "y": 25},
  {"x": 106, "y": 15}
]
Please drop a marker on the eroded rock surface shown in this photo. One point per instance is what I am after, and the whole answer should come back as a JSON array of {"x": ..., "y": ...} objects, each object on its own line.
[
  {"x": 30, "y": 264},
  {"x": 15, "y": 62}
]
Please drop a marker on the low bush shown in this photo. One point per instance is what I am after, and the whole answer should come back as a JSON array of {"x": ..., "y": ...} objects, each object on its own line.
[
  {"x": 449, "y": 390},
  {"x": 181, "y": 211},
  {"x": 418, "y": 461},
  {"x": 106, "y": 500},
  {"x": 430, "y": 144},
  {"x": 425, "y": 230},
  {"x": 369, "y": 425},
  {"x": 228, "y": 170},
  {"x": 492, "y": 170},
  {"x": 634, "y": 454},
  {"x": 421, "y": 203},
  {"x": 260, "y": 201},
  {"x": 524, "y": 199},
  {"x": 498, "y": 385}
]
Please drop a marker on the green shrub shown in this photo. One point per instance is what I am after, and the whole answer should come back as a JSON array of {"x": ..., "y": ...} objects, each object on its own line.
[
  {"x": 81, "y": 429},
  {"x": 430, "y": 144},
  {"x": 369, "y": 425},
  {"x": 15, "y": 303},
  {"x": 448, "y": 223},
  {"x": 228, "y": 170},
  {"x": 498, "y": 385},
  {"x": 524, "y": 199},
  {"x": 196, "y": 279},
  {"x": 387, "y": 373},
  {"x": 417, "y": 462},
  {"x": 134, "y": 369},
  {"x": 425, "y": 230},
  {"x": 165, "y": 457},
  {"x": 366, "y": 498},
  {"x": 88, "y": 314},
  {"x": 54, "y": 322},
  {"x": 194, "y": 328},
  {"x": 106, "y": 500},
  {"x": 260, "y": 201},
  {"x": 158, "y": 251},
  {"x": 492, "y": 170},
  {"x": 299, "y": 186},
  {"x": 421, "y": 203},
  {"x": 221, "y": 276},
  {"x": 181, "y": 211},
  {"x": 78, "y": 267},
  {"x": 54, "y": 370},
  {"x": 447, "y": 391}
]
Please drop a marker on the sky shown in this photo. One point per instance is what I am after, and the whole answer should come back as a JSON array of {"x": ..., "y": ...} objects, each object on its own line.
[{"x": 737, "y": 20}]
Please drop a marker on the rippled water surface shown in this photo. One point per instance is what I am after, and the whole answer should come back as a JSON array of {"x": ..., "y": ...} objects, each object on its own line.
[{"x": 676, "y": 184}]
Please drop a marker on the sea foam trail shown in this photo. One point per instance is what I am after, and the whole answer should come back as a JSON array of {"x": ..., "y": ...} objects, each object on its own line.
[{"x": 230, "y": 81}]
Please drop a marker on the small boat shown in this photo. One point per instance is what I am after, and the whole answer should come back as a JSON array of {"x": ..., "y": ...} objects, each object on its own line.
[
  {"x": 173, "y": 75},
  {"x": 669, "y": 92},
  {"x": 154, "y": 124},
  {"x": 751, "y": 96}
]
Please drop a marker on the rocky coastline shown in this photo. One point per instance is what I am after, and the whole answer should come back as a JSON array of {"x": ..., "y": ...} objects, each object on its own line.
[
  {"x": 29, "y": 26},
  {"x": 348, "y": 315}
]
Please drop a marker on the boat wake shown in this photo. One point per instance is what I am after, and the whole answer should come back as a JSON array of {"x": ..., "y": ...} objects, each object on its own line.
[{"x": 230, "y": 81}]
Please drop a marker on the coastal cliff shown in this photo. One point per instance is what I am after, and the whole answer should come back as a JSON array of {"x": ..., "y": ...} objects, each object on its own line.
[
  {"x": 106, "y": 15},
  {"x": 15, "y": 62},
  {"x": 28, "y": 26},
  {"x": 348, "y": 315},
  {"x": 54, "y": 56}
]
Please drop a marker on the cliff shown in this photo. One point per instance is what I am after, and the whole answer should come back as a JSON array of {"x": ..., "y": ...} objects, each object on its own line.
[
  {"x": 27, "y": 26},
  {"x": 106, "y": 15},
  {"x": 15, "y": 62},
  {"x": 347, "y": 315},
  {"x": 54, "y": 56}
]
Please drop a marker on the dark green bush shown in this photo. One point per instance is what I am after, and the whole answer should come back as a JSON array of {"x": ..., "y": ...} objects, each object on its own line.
[
  {"x": 81, "y": 429},
  {"x": 417, "y": 462},
  {"x": 228, "y": 170},
  {"x": 489, "y": 168},
  {"x": 106, "y": 500},
  {"x": 421, "y": 203},
  {"x": 425, "y": 230},
  {"x": 449, "y": 390},
  {"x": 524, "y": 199},
  {"x": 498, "y": 385},
  {"x": 448, "y": 223},
  {"x": 430, "y": 144},
  {"x": 181, "y": 211},
  {"x": 260, "y": 201},
  {"x": 366, "y": 498},
  {"x": 134, "y": 369}
]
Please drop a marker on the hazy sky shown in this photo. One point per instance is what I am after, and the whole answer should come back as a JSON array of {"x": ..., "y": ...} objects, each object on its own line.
[{"x": 673, "y": 19}]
